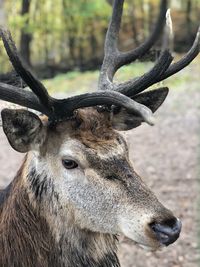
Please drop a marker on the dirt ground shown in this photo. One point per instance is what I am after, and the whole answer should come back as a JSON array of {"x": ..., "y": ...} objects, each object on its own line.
[{"x": 166, "y": 156}]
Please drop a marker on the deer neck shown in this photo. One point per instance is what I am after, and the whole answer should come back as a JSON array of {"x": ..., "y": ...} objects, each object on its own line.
[
  {"x": 36, "y": 235},
  {"x": 82, "y": 248}
]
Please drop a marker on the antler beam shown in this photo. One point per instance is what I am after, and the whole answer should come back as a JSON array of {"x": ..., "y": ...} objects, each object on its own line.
[
  {"x": 63, "y": 108},
  {"x": 21, "y": 97}
]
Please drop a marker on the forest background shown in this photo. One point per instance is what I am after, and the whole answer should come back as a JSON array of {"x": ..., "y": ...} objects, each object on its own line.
[{"x": 57, "y": 36}]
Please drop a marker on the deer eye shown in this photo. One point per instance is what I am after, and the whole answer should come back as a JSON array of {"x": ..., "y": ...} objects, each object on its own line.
[{"x": 69, "y": 164}]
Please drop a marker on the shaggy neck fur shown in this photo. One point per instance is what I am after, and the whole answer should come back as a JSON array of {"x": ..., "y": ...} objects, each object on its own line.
[{"x": 27, "y": 238}]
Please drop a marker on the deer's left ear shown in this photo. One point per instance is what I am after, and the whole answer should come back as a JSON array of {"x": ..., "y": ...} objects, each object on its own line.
[
  {"x": 23, "y": 129},
  {"x": 153, "y": 99}
]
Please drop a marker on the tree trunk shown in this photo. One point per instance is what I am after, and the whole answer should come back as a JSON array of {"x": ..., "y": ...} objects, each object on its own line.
[
  {"x": 134, "y": 27},
  {"x": 150, "y": 16},
  {"x": 143, "y": 22},
  {"x": 80, "y": 53},
  {"x": 26, "y": 38},
  {"x": 110, "y": 2},
  {"x": 189, "y": 21},
  {"x": 93, "y": 45},
  {"x": 72, "y": 40}
]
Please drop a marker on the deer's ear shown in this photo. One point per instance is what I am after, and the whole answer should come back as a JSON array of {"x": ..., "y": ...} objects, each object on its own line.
[
  {"x": 153, "y": 99},
  {"x": 23, "y": 129}
]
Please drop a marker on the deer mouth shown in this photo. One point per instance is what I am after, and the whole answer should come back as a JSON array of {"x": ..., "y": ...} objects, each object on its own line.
[{"x": 155, "y": 235}]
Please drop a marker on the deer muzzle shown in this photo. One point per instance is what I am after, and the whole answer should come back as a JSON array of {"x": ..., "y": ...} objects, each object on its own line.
[{"x": 168, "y": 231}]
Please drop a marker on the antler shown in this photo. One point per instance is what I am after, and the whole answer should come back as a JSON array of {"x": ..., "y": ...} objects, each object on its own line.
[
  {"x": 59, "y": 109},
  {"x": 109, "y": 93},
  {"x": 114, "y": 58}
]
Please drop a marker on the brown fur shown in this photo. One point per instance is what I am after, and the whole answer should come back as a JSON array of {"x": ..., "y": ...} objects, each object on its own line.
[
  {"x": 40, "y": 224},
  {"x": 92, "y": 128},
  {"x": 26, "y": 239},
  {"x": 23, "y": 235}
]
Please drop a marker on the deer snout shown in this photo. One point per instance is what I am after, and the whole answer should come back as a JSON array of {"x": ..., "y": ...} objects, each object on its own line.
[{"x": 168, "y": 231}]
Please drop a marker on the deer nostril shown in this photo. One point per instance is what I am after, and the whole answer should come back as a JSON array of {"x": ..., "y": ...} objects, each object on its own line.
[{"x": 168, "y": 231}]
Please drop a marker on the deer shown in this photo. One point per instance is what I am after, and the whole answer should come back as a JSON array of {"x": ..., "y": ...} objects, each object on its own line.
[{"x": 77, "y": 190}]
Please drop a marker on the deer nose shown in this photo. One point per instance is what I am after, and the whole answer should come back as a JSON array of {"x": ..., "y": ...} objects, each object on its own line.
[{"x": 168, "y": 231}]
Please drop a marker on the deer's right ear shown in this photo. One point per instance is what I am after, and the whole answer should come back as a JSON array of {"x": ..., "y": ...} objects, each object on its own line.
[
  {"x": 123, "y": 120},
  {"x": 23, "y": 129}
]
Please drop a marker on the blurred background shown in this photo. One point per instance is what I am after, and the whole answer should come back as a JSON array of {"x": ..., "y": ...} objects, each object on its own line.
[
  {"x": 62, "y": 42},
  {"x": 61, "y": 36}
]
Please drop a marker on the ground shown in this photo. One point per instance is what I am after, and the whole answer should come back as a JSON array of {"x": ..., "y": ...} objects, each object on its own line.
[{"x": 167, "y": 157}]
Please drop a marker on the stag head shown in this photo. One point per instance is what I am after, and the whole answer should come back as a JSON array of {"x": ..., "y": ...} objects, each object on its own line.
[{"x": 77, "y": 160}]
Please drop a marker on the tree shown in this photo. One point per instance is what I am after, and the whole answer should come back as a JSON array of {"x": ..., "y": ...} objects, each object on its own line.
[
  {"x": 189, "y": 19},
  {"x": 26, "y": 37}
]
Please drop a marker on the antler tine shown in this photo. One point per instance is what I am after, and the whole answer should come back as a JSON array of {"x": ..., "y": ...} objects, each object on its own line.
[
  {"x": 114, "y": 59},
  {"x": 110, "y": 47},
  {"x": 135, "y": 86},
  {"x": 130, "y": 56},
  {"x": 185, "y": 60},
  {"x": 161, "y": 70},
  {"x": 113, "y": 29},
  {"x": 36, "y": 86}
]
